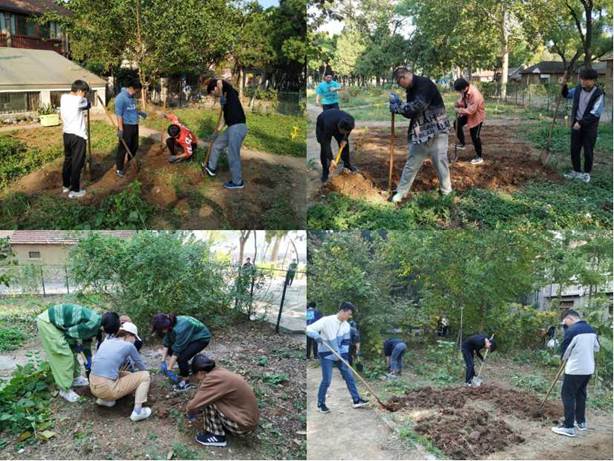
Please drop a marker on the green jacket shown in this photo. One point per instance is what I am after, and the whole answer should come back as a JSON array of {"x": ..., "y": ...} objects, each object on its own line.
[
  {"x": 78, "y": 323},
  {"x": 186, "y": 330}
]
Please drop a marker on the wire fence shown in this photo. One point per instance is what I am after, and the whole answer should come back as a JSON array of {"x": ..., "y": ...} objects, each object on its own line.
[{"x": 38, "y": 279}]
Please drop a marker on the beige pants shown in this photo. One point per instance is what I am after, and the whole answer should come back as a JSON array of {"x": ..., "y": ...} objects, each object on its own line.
[{"x": 107, "y": 389}]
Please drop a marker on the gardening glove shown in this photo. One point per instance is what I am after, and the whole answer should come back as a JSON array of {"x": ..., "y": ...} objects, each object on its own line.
[
  {"x": 88, "y": 362},
  {"x": 143, "y": 114},
  {"x": 395, "y": 103},
  {"x": 78, "y": 348},
  {"x": 120, "y": 134},
  {"x": 170, "y": 374}
]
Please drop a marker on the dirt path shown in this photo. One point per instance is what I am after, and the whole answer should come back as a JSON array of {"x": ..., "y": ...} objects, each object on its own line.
[{"x": 348, "y": 433}]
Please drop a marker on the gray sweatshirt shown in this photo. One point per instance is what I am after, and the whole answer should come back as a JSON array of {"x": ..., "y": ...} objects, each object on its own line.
[{"x": 112, "y": 354}]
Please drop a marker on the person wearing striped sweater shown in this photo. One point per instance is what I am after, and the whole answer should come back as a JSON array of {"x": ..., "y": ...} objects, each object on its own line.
[{"x": 333, "y": 333}]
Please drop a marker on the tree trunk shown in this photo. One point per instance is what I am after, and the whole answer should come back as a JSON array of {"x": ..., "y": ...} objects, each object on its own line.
[
  {"x": 588, "y": 36},
  {"x": 241, "y": 81},
  {"x": 505, "y": 53},
  {"x": 244, "y": 235},
  {"x": 275, "y": 250}
]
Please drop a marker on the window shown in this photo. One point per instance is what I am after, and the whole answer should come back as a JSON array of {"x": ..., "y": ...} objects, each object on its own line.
[
  {"x": 13, "y": 102},
  {"x": 25, "y": 26},
  {"x": 34, "y": 254},
  {"x": 7, "y": 23}
]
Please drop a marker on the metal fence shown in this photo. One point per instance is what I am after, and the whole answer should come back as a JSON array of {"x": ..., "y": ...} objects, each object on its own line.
[
  {"x": 541, "y": 97},
  {"x": 37, "y": 279}
]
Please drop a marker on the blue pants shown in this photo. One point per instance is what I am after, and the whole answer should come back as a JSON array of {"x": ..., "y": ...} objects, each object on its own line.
[
  {"x": 396, "y": 358},
  {"x": 327, "y": 375},
  {"x": 469, "y": 366}
]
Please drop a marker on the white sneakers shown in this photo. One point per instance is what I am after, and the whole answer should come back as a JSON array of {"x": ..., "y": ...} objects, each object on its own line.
[
  {"x": 80, "y": 381},
  {"x": 477, "y": 161},
  {"x": 105, "y": 403},
  {"x": 398, "y": 197},
  {"x": 144, "y": 414},
  {"x": 584, "y": 177},
  {"x": 69, "y": 395},
  {"x": 73, "y": 194},
  {"x": 65, "y": 190}
]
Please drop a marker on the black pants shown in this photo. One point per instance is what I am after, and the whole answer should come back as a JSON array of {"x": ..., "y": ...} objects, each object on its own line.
[
  {"x": 326, "y": 155},
  {"x": 584, "y": 138},
  {"x": 131, "y": 136},
  {"x": 469, "y": 366},
  {"x": 330, "y": 106},
  {"x": 74, "y": 159},
  {"x": 176, "y": 149},
  {"x": 290, "y": 278},
  {"x": 473, "y": 132},
  {"x": 573, "y": 394},
  {"x": 183, "y": 359},
  {"x": 312, "y": 347}
]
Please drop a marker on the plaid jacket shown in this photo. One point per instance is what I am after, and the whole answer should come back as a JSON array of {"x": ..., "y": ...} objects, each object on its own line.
[
  {"x": 78, "y": 323},
  {"x": 426, "y": 110}
]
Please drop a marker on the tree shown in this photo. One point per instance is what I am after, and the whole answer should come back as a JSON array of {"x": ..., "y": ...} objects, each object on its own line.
[
  {"x": 350, "y": 46},
  {"x": 6, "y": 259}
]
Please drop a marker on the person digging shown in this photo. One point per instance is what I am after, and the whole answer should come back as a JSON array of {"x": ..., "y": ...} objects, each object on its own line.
[
  {"x": 333, "y": 332},
  {"x": 110, "y": 382},
  {"x": 67, "y": 330},
  {"x": 470, "y": 112},
  {"x": 428, "y": 130},
  {"x": 183, "y": 337},
  {"x": 334, "y": 123},
  {"x": 578, "y": 348},
  {"x": 127, "y": 124},
  {"x": 472, "y": 346},
  {"x": 394, "y": 349},
  {"x": 181, "y": 142},
  {"x": 232, "y": 137},
  {"x": 586, "y": 110},
  {"x": 225, "y": 400}
]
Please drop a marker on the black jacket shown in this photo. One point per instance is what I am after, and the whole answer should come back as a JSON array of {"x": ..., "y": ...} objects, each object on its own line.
[
  {"x": 588, "y": 119},
  {"x": 473, "y": 344},
  {"x": 326, "y": 126}
]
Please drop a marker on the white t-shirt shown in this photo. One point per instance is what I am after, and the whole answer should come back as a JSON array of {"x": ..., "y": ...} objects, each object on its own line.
[{"x": 72, "y": 111}]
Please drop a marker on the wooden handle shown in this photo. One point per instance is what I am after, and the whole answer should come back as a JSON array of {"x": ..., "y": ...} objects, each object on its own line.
[
  {"x": 215, "y": 131},
  {"x": 391, "y": 159},
  {"x": 556, "y": 378},
  {"x": 131, "y": 156}
]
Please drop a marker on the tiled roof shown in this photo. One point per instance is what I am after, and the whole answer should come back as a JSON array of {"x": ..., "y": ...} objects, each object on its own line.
[
  {"x": 32, "y": 6},
  {"x": 555, "y": 67},
  {"x": 50, "y": 237}
]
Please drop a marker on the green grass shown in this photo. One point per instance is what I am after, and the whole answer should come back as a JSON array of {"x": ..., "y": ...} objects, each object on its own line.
[{"x": 273, "y": 133}]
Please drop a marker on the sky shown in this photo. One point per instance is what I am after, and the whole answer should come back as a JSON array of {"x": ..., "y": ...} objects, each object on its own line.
[{"x": 267, "y": 3}]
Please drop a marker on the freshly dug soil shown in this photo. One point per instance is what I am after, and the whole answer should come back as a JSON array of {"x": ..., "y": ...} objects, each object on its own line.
[{"x": 467, "y": 433}]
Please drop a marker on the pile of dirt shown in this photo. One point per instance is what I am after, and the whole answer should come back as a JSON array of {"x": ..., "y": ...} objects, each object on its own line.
[
  {"x": 508, "y": 401},
  {"x": 467, "y": 433},
  {"x": 355, "y": 185},
  {"x": 508, "y": 164}
]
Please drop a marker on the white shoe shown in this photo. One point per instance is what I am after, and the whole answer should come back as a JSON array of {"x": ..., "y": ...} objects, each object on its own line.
[
  {"x": 573, "y": 174},
  {"x": 80, "y": 381},
  {"x": 73, "y": 194},
  {"x": 398, "y": 197},
  {"x": 460, "y": 147},
  {"x": 585, "y": 177},
  {"x": 144, "y": 414},
  {"x": 580, "y": 427},
  {"x": 568, "y": 432},
  {"x": 477, "y": 161},
  {"x": 69, "y": 395},
  {"x": 65, "y": 190},
  {"x": 105, "y": 403}
]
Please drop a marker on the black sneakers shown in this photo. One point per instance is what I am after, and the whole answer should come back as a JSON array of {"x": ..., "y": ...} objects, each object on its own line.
[
  {"x": 360, "y": 403},
  {"x": 211, "y": 440},
  {"x": 322, "y": 408},
  {"x": 208, "y": 170}
]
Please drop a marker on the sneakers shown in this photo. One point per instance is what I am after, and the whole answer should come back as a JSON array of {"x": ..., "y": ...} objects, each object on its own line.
[
  {"x": 459, "y": 147},
  {"x": 324, "y": 177},
  {"x": 69, "y": 395},
  {"x": 144, "y": 414},
  {"x": 73, "y": 194},
  {"x": 581, "y": 426},
  {"x": 183, "y": 386},
  {"x": 573, "y": 174},
  {"x": 397, "y": 198},
  {"x": 350, "y": 168},
  {"x": 232, "y": 186},
  {"x": 80, "y": 381},
  {"x": 65, "y": 190},
  {"x": 360, "y": 403},
  {"x": 468, "y": 385},
  {"x": 322, "y": 408},
  {"x": 211, "y": 440},
  {"x": 391, "y": 376},
  {"x": 208, "y": 170},
  {"x": 105, "y": 403},
  {"x": 585, "y": 177},
  {"x": 120, "y": 173},
  {"x": 477, "y": 161},
  {"x": 566, "y": 431}
]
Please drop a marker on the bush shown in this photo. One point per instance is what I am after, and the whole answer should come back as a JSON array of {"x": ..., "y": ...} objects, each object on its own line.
[
  {"x": 11, "y": 339},
  {"x": 519, "y": 326}
]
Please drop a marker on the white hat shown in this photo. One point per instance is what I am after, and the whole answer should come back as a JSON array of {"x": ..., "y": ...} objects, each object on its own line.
[{"x": 129, "y": 327}]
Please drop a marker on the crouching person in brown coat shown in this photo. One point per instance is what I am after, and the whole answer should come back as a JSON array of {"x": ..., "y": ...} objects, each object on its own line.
[{"x": 226, "y": 401}]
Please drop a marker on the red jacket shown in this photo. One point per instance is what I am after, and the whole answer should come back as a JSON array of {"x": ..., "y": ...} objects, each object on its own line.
[
  {"x": 186, "y": 138},
  {"x": 471, "y": 104}
]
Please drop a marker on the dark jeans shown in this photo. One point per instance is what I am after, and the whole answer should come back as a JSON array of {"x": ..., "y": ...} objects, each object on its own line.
[
  {"x": 176, "y": 149},
  {"x": 74, "y": 159},
  {"x": 330, "y": 106},
  {"x": 186, "y": 355},
  {"x": 326, "y": 155},
  {"x": 131, "y": 136},
  {"x": 584, "y": 138},
  {"x": 327, "y": 376},
  {"x": 312, "y": 348},
  {"x": 573, "y": 394},
  {"x": 290, "y": 278},
  {"x": 474, "y": 132},
  {"x": 469, "y": 368}
]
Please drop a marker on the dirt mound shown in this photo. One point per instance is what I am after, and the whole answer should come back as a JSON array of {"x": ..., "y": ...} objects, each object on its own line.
[
  {"x": 467, "y": 433},
  {"x": 508, "y": 164},
  {"x": 355, "y": 185},
  {"x": 508, "y": 401},
  {"x": 48, "y": 178}
]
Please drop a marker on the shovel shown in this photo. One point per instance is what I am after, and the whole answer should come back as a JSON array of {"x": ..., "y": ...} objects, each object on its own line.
[
  {"x": 129, "y": 154},
  {"x": 391, "y": 154},
  {"x": 382, "y": 404},
  {"x": 540, "y": 409},
  {"x": 335, "y": 162},
  {"x": 213, "y": 137},
  {"x": 476, "y": 381}
]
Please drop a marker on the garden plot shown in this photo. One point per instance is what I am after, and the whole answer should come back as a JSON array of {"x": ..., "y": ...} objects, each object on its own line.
[{"x": 508, "y": 164}]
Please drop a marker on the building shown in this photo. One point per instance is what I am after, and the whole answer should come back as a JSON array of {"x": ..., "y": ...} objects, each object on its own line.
[
  {"x": 30, "y": 79},
  {"x": 551, "y": 72},
  {"x": 572, "y": 297},
  {"x": 18, "y": 28},
  {"x": 607, "y": 60},
  {"x": 49, "y": 248}
]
